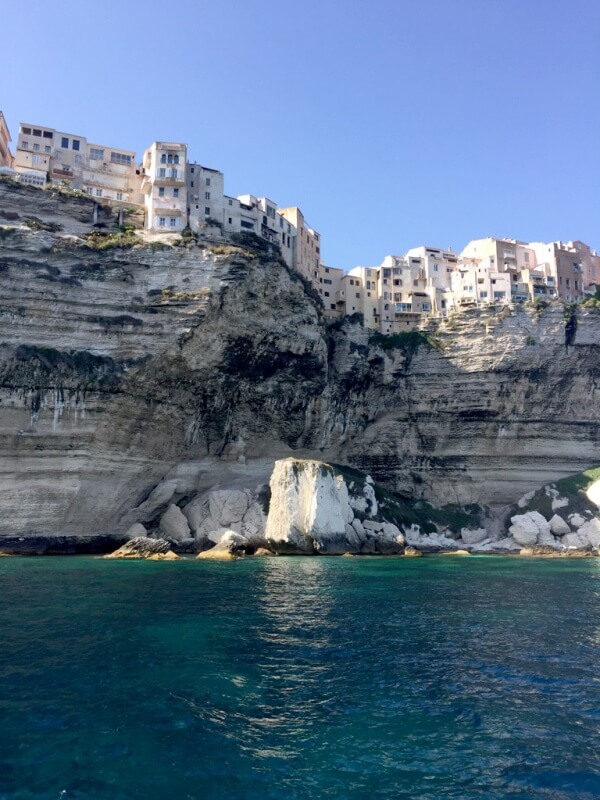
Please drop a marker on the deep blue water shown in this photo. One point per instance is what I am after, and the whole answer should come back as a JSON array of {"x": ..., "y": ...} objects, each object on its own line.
[{"x": 299, "y": 678}]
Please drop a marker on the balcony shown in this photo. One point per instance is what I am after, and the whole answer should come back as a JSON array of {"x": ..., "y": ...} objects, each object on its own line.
[
  {"x": 63, "y": 173},
  {"x": 172, "y": 177}
]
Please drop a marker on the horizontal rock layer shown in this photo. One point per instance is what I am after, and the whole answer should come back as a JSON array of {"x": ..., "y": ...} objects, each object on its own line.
[{"x": 198, "y": 366}]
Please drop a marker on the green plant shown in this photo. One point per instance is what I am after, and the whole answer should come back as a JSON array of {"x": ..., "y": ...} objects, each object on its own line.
[{"x": 408, "y": 341}]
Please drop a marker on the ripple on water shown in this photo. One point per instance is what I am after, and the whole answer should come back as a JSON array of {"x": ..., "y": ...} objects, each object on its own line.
[{"x": 299, "y": 678}]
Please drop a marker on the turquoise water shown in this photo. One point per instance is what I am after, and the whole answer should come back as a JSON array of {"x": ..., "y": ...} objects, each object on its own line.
[{"x": 299, "y": 678}]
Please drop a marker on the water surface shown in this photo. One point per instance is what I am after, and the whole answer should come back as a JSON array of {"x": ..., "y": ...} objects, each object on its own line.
[{"x": 299, "y": 678}]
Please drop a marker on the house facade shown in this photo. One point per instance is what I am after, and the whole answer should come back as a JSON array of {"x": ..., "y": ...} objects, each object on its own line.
[{"x": 6, "y": 158}]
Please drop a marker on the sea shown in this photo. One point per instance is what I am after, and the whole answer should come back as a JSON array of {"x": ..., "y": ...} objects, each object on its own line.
[{"x": 300, "y": 677}]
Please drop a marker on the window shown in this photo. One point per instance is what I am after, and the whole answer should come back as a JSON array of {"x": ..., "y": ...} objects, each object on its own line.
[
  {"x": 26, "y": 130},
  {"x": 192, "y": 184},
  {"x": 58, "y": 155},
  {"x": 37, "y": 132},
  {"x": 332, "y": 306},
  {"x": 38, "y": 160},
  {"x": 25, "y": 145},
  {"x": 435, "y": 267},
  {"x": 36, "y": 146},
  {"x": 96, "y": 153},
  {"x": 163, "y": 159},
  {"x": 175, "y": 192},
  {"x": 173, "y": 222},
  {"x": 173, "y": 174},
  {"x": 170, "y": 158},
  {"x": 526, "y": 257},
  {"x": 426, "y": 307},
  {"x": 47, "y": 148},
  {"x": 98, "y": 192},
  {"x": 161, "y": 191},
  {"x": 76, "y": 144},
  {"x": 176, "y": 159},
  {"x": 326, "y": 294},
  {"x": 119, "y": 195},
  {"x": 327, "y": 280},
  {"x": 208, "y": 181},
  {"x": 64, "y": 142},
  {"x": 162, "y": 172},
  {"x": 162, "y": 221},
  {"x": 120, "y": 158},
  {"x": 358, "y": 295},
  {"x": 231, "y": 202},
  {"x": 230, "y": 221},
  {"x": 207, "y": 195},
  {"x": 576, "y": 285},
  {"x": 47, "y": 135},
  {"x": 192, "y": 170},
  {"x": 78, "y": 159},
  {"x": 206, "y": 211}
]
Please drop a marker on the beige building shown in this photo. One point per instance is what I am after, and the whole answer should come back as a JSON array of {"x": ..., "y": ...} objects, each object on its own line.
[
  {"x": 370, "y": 294},
  {"x": 404, "y": 295},
  {"x": 564, "y": 263},
  {"x": 45, "y": 154},
  {"x": 330, "y": 288},
  {"x": 6, "y": 158},
  {"x": 164, "y": 186},
  {"x": 205, "y": 196},
  {"x": 306, "y": 244}
]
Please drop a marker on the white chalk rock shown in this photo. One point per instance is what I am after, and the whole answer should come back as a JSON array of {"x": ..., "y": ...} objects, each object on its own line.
[
  {"x": 576, "y": 520},
  {"x": 173, "y": 524},
  {"x": 254, "y": 523},
  {"x": 574, "y": 541},
  {"x": 526, "y": 528},
  {"x": 228, "y": 506},
  {"x": 473, "y": 536},
  {"x": 559, "y": 502},
  {"x": 590, "y": 532},
  {"x": 196, "y": 511},
  {"x": 358, "y": 527},
  {"x": 507, "y": 545},
  {"x": 593, "y": 493},
  {"x": 135, "y": 531},
  {"x": 308, "y": 510},
  {"x": 524, "y": 501},
  {"x": 558, "y": 526},
  {"x": 372, "y": 525}
]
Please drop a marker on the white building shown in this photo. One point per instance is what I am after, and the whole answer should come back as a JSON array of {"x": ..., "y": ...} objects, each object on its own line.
[{"x": 164, "y": 186}]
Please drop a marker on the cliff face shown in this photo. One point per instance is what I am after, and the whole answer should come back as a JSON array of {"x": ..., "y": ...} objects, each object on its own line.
[{"x": 198, "y": 365}]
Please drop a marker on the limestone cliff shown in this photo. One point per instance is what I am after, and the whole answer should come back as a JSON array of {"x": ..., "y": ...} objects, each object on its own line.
[{"x": 136, "y": 376}]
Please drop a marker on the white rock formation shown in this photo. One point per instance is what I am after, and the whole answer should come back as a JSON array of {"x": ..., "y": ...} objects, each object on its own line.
[
  {"x": 309, "y": 509},
  {"x": 558, "y": 526},
  {"x": 526, "y": 528},
  {"x": 473, "y": 536},
  {"x": 135, "y": 531},
  {"x": 593, "y": 493},
  {"x": 589, "y": 533},
  {"x": 576, "y": 520},
  {"x": 173, "y": 524}
]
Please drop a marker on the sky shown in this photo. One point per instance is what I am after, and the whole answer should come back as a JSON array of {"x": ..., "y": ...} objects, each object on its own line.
[{"x": 391, "y": 123}]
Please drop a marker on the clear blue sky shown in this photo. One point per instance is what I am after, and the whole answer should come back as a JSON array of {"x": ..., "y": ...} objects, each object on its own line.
[{"x": 391, "y": 123}]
